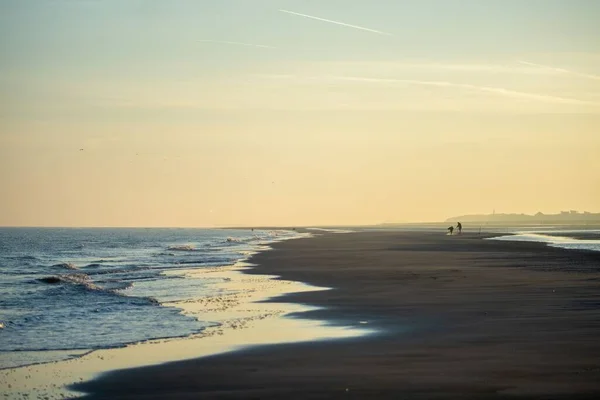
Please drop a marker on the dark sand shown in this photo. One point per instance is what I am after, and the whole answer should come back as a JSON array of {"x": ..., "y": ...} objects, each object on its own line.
[{"x": 460, "y": 317}]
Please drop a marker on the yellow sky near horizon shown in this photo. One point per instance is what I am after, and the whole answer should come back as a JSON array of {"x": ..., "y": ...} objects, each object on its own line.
[{"x": 325, "y": 124}]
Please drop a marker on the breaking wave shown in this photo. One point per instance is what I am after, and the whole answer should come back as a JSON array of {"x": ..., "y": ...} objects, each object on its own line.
[
  {"x": 183, "y": 247},
  {"x": 79, "y": 279},
  {"x": 98, "y": 295},
  {"x": 65, "y": 266}
]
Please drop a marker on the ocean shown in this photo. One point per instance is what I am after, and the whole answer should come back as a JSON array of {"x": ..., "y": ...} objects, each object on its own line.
[
  {"x": 588, "y": 239},
  {"x": 67, "y": 291}
]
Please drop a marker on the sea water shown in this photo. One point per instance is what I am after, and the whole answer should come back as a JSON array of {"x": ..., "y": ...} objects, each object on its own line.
[
  {"x": 64, "y": 292},
  {"x": 566, "y": 239}
]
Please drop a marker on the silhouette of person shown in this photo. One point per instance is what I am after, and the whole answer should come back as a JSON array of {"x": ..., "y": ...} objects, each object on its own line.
[
  {"x": 451, "y": 229},
  {"x": 459, "y": 227}
]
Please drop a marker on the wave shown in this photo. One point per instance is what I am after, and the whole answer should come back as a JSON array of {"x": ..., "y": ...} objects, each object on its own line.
[
  {"x": 79, "y": 279},
  {"x": 83, "y": 281},
  {"x": 131, "y": 279},
  {"x": 116, "y": 284},
  {"x": 102, "y": 269},
  {"x": 232, "y": 239},
  {"x": 50, "y": 279},
  {"x": 183, "y": 247},
  {"x": 25, "y": 258},
  {"x": 109, "y": 289},
  {"x": 115, "y": 271},
  {"x": 65, "y": 266},
  {"x": 94, "y": 265},
  {"x": 153, "y": 301},
  {"x": 208, "y": 260}
]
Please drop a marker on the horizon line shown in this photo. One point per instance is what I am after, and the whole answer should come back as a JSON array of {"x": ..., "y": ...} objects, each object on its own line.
[{"x": 213, "y": 227}]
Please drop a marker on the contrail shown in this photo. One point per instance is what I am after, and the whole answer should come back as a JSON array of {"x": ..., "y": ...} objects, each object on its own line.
[
  {"x": 238, "y": 43},
  {"x": 488, "y": 89},
  {"x": 337, "y": 23},
  {"x": 561, "y": 70}
]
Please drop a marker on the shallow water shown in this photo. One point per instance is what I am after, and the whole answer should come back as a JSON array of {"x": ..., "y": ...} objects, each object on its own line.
[
  {"x": 75, "y": 290},
  {"x": 238, "y": 307},
  {"x": 566, "y": 239}
]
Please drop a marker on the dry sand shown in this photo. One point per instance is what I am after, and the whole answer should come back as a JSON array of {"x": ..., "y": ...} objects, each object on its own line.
[{"x": 460, "y": 317}]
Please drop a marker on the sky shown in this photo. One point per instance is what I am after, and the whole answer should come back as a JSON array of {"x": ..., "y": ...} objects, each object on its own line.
[{"x": 296, "y": 112}]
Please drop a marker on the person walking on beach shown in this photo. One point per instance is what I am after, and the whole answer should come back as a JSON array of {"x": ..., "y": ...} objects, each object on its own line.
[
  {"x": 459, "y": 227},
  {"x": 451, "y": 229}
]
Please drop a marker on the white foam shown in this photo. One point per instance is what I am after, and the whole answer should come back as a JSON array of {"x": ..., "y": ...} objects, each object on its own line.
[{"x": 183, "y": 247}]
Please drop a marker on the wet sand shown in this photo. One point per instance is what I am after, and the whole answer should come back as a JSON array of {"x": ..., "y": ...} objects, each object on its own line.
[
  {"x": 235, "y": 305},
  {"x": 458, "y": 316}
]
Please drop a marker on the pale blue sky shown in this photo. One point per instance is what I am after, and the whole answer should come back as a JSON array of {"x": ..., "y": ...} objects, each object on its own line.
[
  {"x": 117, "y": 37},
  {"x": 157, "y": 80}
]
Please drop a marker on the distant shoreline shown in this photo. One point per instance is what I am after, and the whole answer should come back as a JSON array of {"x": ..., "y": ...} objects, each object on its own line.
[{"x": 565, "y": 217}]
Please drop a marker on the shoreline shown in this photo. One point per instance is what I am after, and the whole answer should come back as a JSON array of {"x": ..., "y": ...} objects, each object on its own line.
[
  {"x": 457, "y": 316},
  {"x": 123, "y": 273},
  {"x": 247, "y": 309}
]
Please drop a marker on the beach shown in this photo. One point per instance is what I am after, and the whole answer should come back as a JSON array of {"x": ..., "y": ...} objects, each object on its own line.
[
  {"x": 200, "y": 279},
  {"x": 453, "y": 317}
]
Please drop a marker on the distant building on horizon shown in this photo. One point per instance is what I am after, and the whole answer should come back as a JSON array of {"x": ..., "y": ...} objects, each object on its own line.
[{"x": 564, "y": 217}]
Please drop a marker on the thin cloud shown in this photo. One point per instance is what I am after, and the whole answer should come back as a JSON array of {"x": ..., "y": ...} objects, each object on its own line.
[
  {"x": 404, "y": 68},
  {"x": 561, "y": 70},
  {"x": 362, "y": 28},
  {"x": 487, "y": 89},
  {"x": 238, "y": 43}
]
